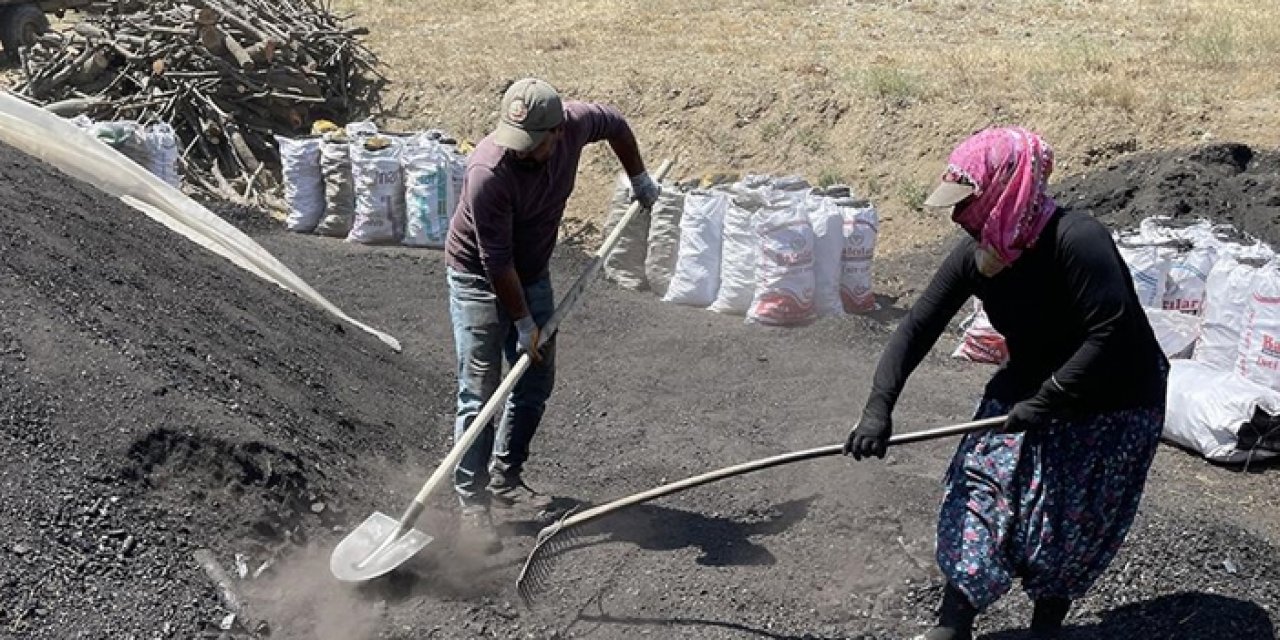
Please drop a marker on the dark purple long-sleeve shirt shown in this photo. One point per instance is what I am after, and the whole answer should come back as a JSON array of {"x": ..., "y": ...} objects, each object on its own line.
[{"x": 509, "y": 214}]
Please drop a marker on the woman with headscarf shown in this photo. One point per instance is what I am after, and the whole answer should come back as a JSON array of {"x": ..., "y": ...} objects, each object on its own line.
[{"x": 1049, "y": 497}]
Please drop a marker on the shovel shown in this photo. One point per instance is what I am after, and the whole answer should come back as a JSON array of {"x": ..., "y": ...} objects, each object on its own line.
[
  {"x": 559, "y": 537},
  {"x": 382, "y": 543}
]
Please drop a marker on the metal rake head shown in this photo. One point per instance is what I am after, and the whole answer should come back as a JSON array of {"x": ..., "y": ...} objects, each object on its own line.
[{"x": 552, "y": 541}]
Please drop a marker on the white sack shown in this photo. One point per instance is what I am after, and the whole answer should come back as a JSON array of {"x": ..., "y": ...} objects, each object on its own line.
[
  {"x": 625, "y": 264},
  {"x": 127, "y": 137},
  {"x": 427, "y": 182},
  {"x": 379, "y": 186},
  {"x": 339, "y": 195},
  {"x": 861, "y": 230},
  {"x": 1175, "y": 331},
  {"x": 358, "y": 132},
  {"x": 1207, "y": 406},
  {"x": 457, "y": 172},
  {"x": 828, "y": 255},
  {"x": 787, "y": 189},
  {"x": 163, "y": 155},
  {"x": 738, "y": 257},
  {"x": 697, "y": 275},
  {"x": 1188, "y": 275},
  {"x": 784, "y": 267},
  {"x": 1259, "y": 357},
  {"x": 1150, "y": 271},
  {"x": 664, "y": 239},
  {"x": 303, "y": 182},
  {"x": 981, "y": 342},
  {"x": 1227, "y": 293}
]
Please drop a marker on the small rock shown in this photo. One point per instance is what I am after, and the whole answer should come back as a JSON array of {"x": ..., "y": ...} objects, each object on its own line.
[
  {"x": 227, "y": 622},
  {"x": 317, "y": 507},
  {"x": 21, "y": 549},
  {"x": 1230, "y": 566}
]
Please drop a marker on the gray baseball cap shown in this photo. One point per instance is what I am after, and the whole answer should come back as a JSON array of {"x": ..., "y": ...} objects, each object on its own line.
[{"x": 531, "y": 108}]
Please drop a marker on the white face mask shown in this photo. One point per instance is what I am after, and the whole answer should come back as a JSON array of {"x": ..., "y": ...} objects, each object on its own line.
[{"x": 988, "y": 264}]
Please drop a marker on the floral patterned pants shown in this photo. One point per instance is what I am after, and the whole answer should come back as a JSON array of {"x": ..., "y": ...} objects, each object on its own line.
[{"x": 1050, "y": 506}]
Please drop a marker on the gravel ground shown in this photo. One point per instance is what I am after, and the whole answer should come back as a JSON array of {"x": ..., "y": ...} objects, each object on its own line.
[{"x": 158, "y": 401}]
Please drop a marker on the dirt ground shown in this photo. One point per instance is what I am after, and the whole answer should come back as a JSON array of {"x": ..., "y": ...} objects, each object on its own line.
[
  {"x": 876, "y": 92},
  {"x": 158, "y": 401}
]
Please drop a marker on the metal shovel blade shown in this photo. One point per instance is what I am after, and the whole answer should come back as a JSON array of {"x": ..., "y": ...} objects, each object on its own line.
[{"x": 369, "y": 551}]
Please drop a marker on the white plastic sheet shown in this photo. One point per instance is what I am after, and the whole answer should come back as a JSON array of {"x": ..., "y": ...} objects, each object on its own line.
[{"x": 60, "y": 143}]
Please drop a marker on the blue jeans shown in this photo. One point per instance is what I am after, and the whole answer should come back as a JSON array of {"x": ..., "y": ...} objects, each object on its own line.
[{"x": 483, "y": 334}]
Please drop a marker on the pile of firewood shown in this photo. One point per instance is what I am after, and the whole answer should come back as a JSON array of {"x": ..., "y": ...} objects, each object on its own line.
[{"x": 226, "y": 74}]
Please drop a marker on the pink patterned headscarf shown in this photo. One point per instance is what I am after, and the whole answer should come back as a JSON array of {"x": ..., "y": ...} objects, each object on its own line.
[{"x": 1009, "y": 168}]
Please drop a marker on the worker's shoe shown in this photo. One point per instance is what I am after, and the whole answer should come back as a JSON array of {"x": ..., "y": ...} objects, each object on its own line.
[
  {"x": 476, "y": 532},
  {"x": 955, "y": 617},
  {"x": 1047, "y": 618},
  {"x": 509, "y": 491}
]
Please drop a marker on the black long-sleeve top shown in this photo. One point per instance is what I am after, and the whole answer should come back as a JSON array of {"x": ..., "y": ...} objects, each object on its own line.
[{"x": 1078, "y": 338}]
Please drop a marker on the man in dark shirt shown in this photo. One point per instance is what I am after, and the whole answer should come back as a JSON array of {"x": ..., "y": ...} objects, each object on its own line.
[{"x": 498, "y": 255}]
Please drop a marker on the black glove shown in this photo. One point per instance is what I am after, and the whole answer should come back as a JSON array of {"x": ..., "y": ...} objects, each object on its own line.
[
  {"x": 870, "y": 437},
  {"x": 1024, "y": 415}
]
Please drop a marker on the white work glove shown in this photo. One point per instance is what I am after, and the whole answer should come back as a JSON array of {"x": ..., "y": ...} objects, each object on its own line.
[
  {"x": 529, "y": 335},
  {"x": 645, "y": 189}
]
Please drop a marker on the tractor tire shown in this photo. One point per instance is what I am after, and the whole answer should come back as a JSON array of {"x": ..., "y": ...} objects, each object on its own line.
[{"x": 20, "y": 24}]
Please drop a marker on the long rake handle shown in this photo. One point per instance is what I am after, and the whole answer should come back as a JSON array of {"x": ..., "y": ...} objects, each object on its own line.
[
  {"x": 567, "y": 303},
  {"x": 763, "y": 463}
]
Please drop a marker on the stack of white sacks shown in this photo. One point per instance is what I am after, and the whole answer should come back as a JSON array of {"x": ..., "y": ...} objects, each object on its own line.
[
  {"x": 773, "y": 249},
  {"x": 370, "y": 187},
  {"x": 154, "y": 146},
  {"x": 1214, "y": 304}
]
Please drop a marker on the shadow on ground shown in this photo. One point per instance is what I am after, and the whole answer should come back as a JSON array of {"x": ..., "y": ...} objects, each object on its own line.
[
  {"x": 700, "y": 623},
  {"x": 722, "y": 541},
  {"x": 888, "y": 309},
  {"x": 1182, "y": 616},
  {"x": 446, "y": 572}
]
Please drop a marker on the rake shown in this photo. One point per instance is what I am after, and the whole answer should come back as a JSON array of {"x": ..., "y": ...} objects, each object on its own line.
[{"x": 561, "y": 536}]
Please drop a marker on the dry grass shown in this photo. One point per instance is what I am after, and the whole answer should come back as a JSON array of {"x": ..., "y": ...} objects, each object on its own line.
[{"x": 875, "y": 92}]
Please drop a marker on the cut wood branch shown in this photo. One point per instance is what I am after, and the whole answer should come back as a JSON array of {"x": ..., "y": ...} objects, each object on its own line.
[{"x": 228, "y": 75}]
